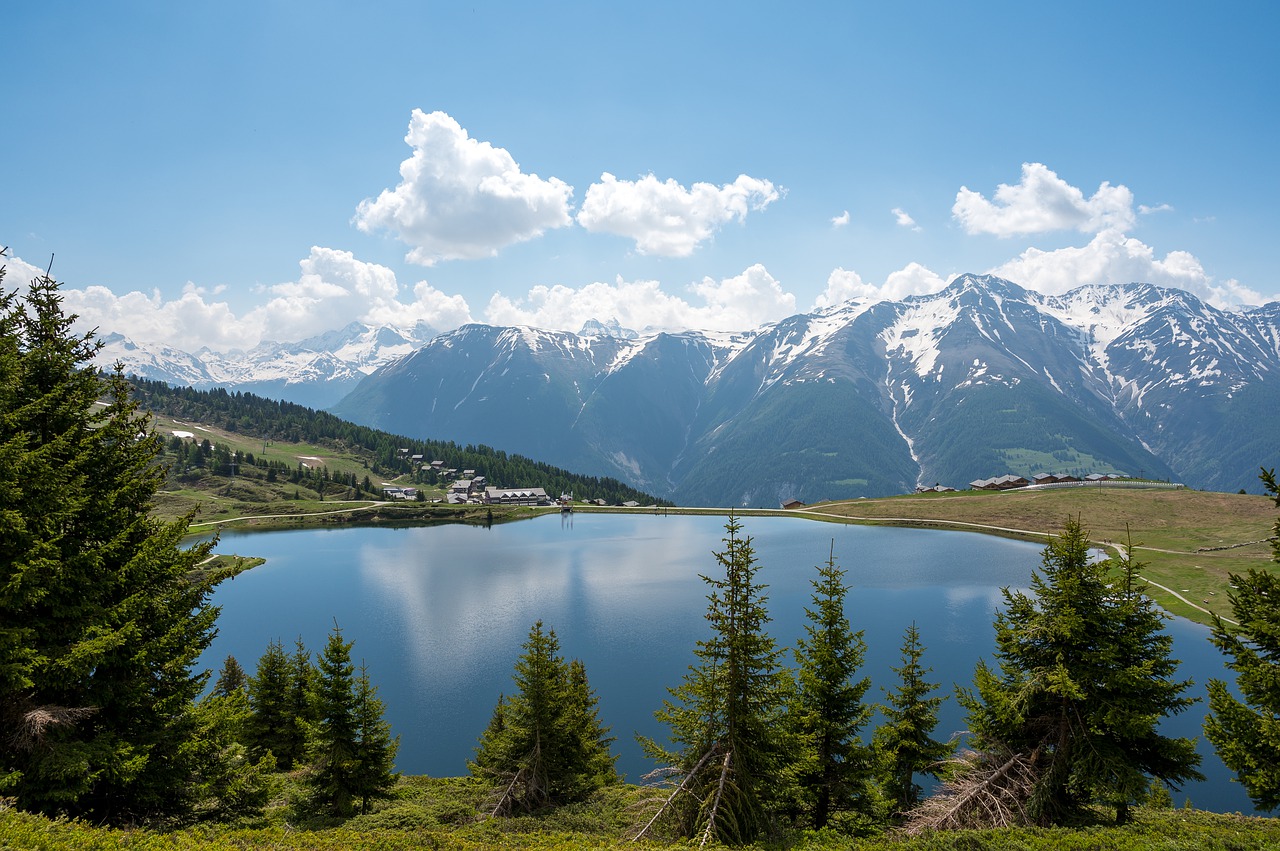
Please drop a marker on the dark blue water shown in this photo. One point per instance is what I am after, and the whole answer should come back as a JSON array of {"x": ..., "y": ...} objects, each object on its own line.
[{"x": 439, "y": 614}]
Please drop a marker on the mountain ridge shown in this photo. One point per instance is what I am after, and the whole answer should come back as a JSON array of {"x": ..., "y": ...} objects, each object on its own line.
[
  {"x": 863, "y": 398},
  {"x": 867, "y": 398}
]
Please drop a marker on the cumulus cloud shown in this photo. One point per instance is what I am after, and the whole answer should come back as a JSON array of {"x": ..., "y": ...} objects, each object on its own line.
[
  {"x": 903, "y": 219},
  {"x": 460, "y": 198},
  {"x": 188, "y": 322},
  {"x": 332, "y": 289},
  {"x": 912, "y": 279},
  {"x": 1043, "y": 202},
  {"x": 840, "y": 220},
  {"x": 665, "y": 218},
  {"x": 731, "y": 304},
  {"x": 18, "y": 272},
  {"x": 843, "y": 285},
  {"x": 1112, "y": 257}
]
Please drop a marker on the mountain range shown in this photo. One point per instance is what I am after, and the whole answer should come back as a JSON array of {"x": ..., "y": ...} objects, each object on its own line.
[
  {"x": 316, "y": 372},
  {"x": 865, "y": 398}
]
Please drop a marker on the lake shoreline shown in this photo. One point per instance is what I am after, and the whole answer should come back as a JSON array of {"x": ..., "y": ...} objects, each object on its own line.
[{"x": 1169, "y": 585}]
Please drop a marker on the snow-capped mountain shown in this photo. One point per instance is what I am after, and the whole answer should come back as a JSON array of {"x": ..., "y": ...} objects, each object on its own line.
[
  {"x": 611, "y": 328},
  {"x": 865, "y": 398},
  {"x": 316, "y": 372}
]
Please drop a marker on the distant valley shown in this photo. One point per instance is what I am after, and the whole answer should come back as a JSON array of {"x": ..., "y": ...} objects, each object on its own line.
[{"x": 862, "y": 399}]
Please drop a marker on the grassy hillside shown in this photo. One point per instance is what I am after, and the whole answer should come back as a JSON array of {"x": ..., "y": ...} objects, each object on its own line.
[
  {"x": 1189, "y": 540},
  {"x": 293, "y": 461}
]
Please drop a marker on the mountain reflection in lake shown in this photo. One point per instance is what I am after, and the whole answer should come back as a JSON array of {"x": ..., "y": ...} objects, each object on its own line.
[{"x": 439, "y": 613}]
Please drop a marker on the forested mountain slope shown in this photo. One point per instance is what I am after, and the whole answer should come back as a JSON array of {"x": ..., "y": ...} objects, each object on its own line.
[{"x": 285, "y": 421}]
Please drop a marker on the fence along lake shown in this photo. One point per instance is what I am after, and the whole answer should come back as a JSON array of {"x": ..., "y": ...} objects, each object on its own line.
[{"x": 439, "y": 614}]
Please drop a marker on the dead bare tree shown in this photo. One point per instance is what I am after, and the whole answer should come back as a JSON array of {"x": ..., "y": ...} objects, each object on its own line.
[
  {"x": 526, "y": 788},
  {"x": 985, "y": 790},
  {"x": 29, "y": 726},
  {"x": 689, "y": 787}
]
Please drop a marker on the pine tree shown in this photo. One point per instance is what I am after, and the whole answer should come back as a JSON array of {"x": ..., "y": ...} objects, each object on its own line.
[
  {"x": 300, "y": 707},
  {"x": 593, "y": 742},
  {"x": 1246, "y": 733},
  {"x": 833, "y": 766},
  {"x": 726, "y": 718},
  {"x": 226, "y": 783},
  {"x": 102, "y": 612},
  {"x": 544, "y": 744},
  {"x": 231, "y": 679},
  {"x": 334, "y": 752},
  {"x": 1084, "y": 679},
  {"x": 374, "y": 773},
  {"x": 904, "y": 743},
  {"x": 270, "y": 713}
]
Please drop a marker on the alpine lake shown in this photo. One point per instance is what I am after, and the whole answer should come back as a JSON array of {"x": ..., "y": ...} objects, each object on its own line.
[{"x": 439, "y": 614}]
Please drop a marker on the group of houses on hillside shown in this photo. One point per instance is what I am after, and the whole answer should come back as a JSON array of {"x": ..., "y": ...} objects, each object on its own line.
[
  {"x": 1010, "y": 481},
  {"x": 467, "y": 487},
  {"x": 476, "y": 490}
]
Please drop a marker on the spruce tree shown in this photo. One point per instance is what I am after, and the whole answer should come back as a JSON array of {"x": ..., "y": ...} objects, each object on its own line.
[
  {"x": 726, "y": 719},
  {"x": 544, "y": 745},
  {"x": 103, "y": 613},
  {"x": 374, "y": 773},
  {"x": 300, "y": 706},
  {"x": 1246, "y": 732},
  {"x": 904, "y": 743},
  {"x": 334, "y": 753},
  {"x": 833, "y": 767},
  {"x": 1084, "y": 678},
  {"x": 231, "y": 679},
  {"x": 593, "y": 742},
  {"x": 270, "y": 713},
  {"x": 226, "y": 783}
]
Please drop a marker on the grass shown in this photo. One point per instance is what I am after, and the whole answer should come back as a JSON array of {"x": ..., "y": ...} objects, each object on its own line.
[
  {"x": 291, "y": 454},
  {"x": 1177, "y": 533},
  {"x": 249, "y": 499},
  {"x": 445, "y": 814}
]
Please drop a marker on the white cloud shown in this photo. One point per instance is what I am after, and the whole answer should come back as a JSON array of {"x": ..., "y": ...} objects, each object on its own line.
[
  {"x": 460, "y": 198},
  {"x": 912, "y": 279},
  {"x": 188, "y": 322},
  {"x": 840, "y": 220},
  {"x": 843, "y": 285},
  {"x": 663, "y": 217},
  {"x": 333, "y": 289},
  {"x": 18, "y": 273},
  {"x": 1143, "y": 209},
  {"x": 732, "y": 304},
  {"x": 903, "y": 219},
  {"x": 1111, "y": 257},
  {"x": 1043, "y": 202}
]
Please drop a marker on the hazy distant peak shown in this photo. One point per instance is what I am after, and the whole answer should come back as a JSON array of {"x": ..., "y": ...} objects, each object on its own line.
[{"x": 611, "y": 328}]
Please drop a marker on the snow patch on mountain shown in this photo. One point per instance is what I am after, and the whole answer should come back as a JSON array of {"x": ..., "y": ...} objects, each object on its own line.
[{"x": 917, "y": 334}]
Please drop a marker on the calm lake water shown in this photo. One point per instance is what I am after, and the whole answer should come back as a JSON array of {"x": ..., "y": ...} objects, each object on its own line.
[{"x": 439, "y": 614}]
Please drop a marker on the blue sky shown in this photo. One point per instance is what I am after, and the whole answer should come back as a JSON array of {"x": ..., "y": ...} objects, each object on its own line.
[{"x": 219, "y": 173}]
